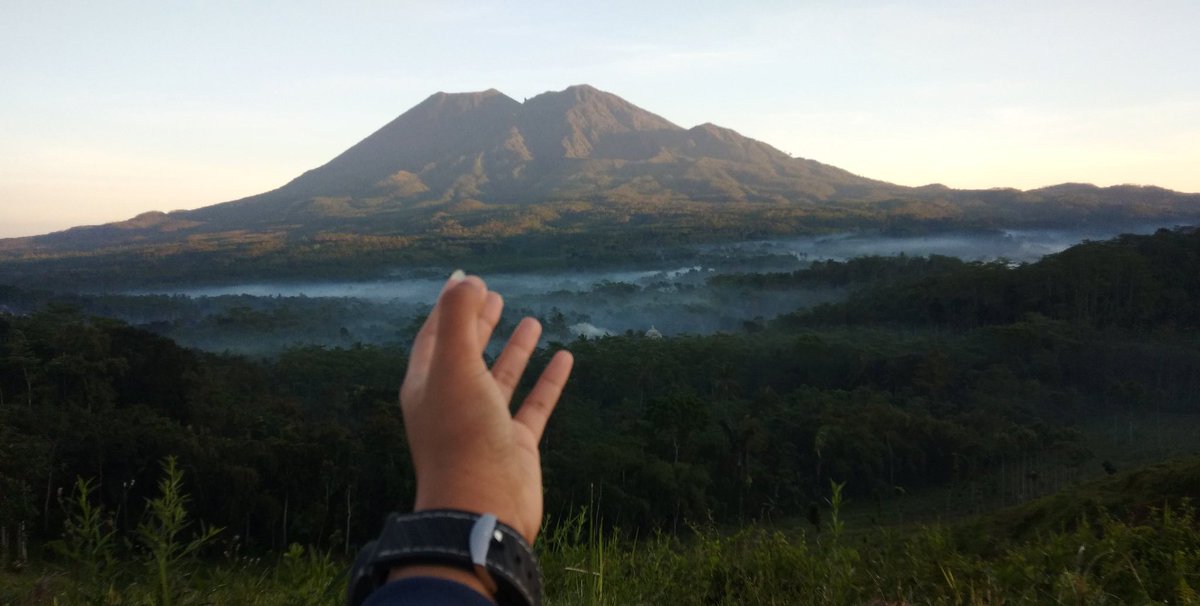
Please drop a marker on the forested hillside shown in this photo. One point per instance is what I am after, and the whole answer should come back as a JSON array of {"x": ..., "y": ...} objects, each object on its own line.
[
  {"x": 1132, "y": 282},
  {"x": 983, "y": 383}
]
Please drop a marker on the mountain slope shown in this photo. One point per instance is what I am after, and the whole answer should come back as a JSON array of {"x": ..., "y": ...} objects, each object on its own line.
[
  {"x": 474, "y": 168},
  {"x": 576, "y": 144}
]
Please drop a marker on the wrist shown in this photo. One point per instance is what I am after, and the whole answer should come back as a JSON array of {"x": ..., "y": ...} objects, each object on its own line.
[
  {"x": 463, "y": 498},
  {"x": 475, "y": 550},
  {"x": 449, "y": 573}
]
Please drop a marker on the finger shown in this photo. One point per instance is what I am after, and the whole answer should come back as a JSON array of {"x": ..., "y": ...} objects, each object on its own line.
[
  {"x": 426, "y": 340},
  {"x": 535, "y": 411},
  {"x": 459, "y": 310},
  {"x": 512, "y": 361},
  {"x": 489, "y": 318}
]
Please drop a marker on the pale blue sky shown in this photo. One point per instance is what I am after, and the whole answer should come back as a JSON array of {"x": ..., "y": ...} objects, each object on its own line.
[{"x": 109, "y": 109}]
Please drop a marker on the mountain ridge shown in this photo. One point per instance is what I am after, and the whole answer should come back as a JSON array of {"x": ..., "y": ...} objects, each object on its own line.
[{"x": 483, "y": 167}]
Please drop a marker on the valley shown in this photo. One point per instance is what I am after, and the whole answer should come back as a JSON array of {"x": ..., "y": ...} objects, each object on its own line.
[{"x": 263, "y": 318}]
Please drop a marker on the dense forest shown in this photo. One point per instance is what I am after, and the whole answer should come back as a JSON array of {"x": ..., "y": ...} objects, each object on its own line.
[{"x": 985, "y": 384}]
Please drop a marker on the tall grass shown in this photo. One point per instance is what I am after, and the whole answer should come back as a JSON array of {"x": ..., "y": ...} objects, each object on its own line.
[
  {"x": 163, "y": 565},
  {"x": 169, "y": 554},
  {"x": 1152, "y": 556},
  {"x": 1153, "y": 559}
]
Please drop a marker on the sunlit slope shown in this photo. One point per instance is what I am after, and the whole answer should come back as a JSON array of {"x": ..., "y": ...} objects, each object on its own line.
[{"x": 476, "y": 173}]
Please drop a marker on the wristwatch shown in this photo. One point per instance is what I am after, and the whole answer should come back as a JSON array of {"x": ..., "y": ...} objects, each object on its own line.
[{"x": 495, "y": 552}]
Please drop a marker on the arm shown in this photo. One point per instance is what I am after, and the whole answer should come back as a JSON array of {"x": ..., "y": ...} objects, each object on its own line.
[{"x": 469, "y": 452}]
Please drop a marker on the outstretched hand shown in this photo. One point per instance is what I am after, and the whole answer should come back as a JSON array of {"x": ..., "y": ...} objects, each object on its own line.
[{"x": 469, "y": 452}]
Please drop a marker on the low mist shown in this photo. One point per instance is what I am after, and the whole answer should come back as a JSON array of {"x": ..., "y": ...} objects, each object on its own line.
[{"x": 264, "y": 317}]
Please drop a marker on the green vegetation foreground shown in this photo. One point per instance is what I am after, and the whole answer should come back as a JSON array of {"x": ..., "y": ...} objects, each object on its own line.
[
  {"x": 1108, "y": 553},
  {"x": 981, "y": 382}
]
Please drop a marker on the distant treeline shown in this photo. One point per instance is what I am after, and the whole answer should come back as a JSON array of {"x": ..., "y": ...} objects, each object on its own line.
[
  {"x": 247, "y": 324},
  {"x": 1131, "y": 282},
  {"x": 531, "y": 235},
  {"x": 881, "y": 393},
  {"x": 875, "y": 270}
]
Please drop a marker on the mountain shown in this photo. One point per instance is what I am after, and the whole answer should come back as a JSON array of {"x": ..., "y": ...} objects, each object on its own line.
[
  {"x": 472, "y": 171},
  {"x": 578, "y": 144}
]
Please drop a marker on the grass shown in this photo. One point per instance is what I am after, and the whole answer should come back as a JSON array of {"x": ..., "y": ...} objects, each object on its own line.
[
  {"x": 1132, "y": 538},
  {"x": 1103, "y": 560}
]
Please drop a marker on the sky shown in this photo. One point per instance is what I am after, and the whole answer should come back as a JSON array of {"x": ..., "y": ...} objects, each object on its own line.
[{"x": 111, "y": 109}]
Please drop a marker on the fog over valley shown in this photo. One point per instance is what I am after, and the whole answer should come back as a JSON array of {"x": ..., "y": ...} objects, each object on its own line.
[{"x": 676, "y": 296}]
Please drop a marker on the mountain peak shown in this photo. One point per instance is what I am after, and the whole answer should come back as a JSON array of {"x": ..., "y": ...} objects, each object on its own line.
[
  {"x": 442, "y": 102},
  {"x": 585, "y": 97},
  {"x": 581, "y": 141},
  {"x": 585, "y": 91},
  {"x": 441, "y": 124},
  {"x": 483, "y": 94},
  {"x": 572, "y": 122}
]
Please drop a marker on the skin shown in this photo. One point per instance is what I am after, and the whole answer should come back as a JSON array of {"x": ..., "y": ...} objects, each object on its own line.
[{"x": 468, "y": 450}]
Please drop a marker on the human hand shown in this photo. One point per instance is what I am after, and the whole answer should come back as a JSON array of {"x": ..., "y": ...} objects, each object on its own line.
[{"x": 468, "y": 450}]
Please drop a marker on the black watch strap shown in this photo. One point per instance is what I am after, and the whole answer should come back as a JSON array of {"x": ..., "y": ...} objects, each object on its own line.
[{"x": 445, "y": 536}]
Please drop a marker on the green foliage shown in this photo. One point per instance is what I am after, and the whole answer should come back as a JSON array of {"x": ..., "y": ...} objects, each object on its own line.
[
  {"x": 299, "y": 576},
  {"x": 693, "y": 456},
  {"x": 161, "y": 534},
  {"x": 873, "y": 270},
  {"x": 1108, "y": 560},
  {"x": 1132, "y": 282},
  {"x": 90, "y": 544},
  {"x": 165, "y": 565},
  {"x": 251, "y": 434}
]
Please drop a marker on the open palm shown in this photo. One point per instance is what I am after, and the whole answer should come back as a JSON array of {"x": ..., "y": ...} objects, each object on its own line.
[{"x": 469, "y": 452}]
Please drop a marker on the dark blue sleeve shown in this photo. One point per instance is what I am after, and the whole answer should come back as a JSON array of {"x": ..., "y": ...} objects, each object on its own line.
[{"x": 426, "y": 591}]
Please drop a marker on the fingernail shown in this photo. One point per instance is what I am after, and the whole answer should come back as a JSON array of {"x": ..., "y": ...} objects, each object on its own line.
[{"x": 458, "y": 275}]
